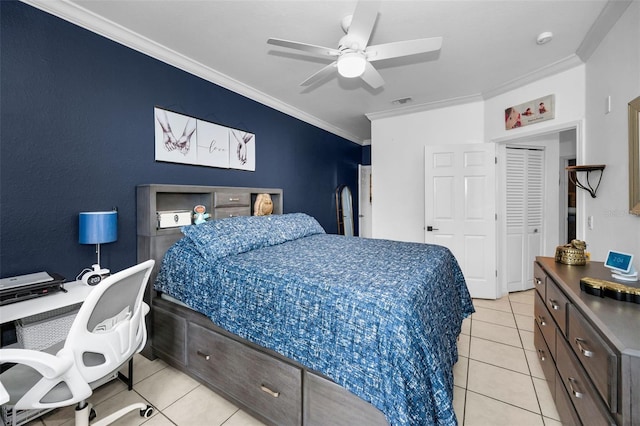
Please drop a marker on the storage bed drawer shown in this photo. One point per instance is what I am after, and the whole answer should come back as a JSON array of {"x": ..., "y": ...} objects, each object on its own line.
[
  {"x": 227, "y": 199},
  {"x": 269, "y": 386},
  {"x": 222, "y": 212}
]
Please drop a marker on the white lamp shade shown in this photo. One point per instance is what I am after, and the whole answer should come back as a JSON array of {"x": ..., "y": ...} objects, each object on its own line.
[
  {"x": 98, "y": 227},
  {"x": 352, "y": 64}
]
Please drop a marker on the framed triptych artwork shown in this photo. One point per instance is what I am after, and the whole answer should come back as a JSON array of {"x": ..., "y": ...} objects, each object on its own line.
[{"x": 183, "y": 139}]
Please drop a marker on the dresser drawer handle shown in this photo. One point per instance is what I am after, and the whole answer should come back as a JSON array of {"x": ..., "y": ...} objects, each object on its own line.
[
  {"x": 585, "y": 352},
  {"x": 203, "y": 355},
  {"x": 541, "y": 321},
  {"x": 538, "y": 281},
  {"x": 541, "y": 355},
  {"x": 554, "y": 304},
  {"x": 269, "y": 391},
  {"x": 573, "y": 391},
  {"x": 234, "y": 199}
]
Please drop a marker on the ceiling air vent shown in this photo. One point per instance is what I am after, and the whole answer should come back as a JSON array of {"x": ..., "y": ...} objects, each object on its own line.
[{"x": 402, "y": 101}]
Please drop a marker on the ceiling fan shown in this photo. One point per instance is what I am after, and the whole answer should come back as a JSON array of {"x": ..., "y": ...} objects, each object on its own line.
[{"x": 353, "y": 56}]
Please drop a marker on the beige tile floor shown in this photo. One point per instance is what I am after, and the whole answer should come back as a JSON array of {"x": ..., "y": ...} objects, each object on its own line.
[{"x": 498, "y": 380}]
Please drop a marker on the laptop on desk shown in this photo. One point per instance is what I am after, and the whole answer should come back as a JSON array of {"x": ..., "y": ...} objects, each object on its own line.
[{"x": 25, "y": 287}]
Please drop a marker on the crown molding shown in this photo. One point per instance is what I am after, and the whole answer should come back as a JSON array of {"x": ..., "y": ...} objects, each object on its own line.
[
  {"x": 610, "y": 14},
  {"x": 88, "y": 20},
  {"x": 557, "y": 67},
  {"x": 423, "y": 107}
]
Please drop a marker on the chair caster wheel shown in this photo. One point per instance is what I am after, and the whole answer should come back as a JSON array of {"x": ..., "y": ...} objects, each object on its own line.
[
  {"x": 92, "y": 414},
  {"x": 146, "y": 412}
]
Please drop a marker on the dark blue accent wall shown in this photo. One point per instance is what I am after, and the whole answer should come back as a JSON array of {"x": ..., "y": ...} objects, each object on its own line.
[
  {"x": 366, "y": 155},
  {"x": 77, "y": 134}
]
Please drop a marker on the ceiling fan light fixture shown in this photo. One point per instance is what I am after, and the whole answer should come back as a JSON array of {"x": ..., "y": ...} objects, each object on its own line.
[{"x": 352, "y": 64}]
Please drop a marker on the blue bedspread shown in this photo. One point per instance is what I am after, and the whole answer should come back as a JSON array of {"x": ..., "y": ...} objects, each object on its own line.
[{"x": 378, "y": 317}]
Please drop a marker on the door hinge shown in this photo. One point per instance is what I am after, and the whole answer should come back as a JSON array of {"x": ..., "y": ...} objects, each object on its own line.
[
  {"x": 496, "y": 273},
  {"x": 496, "y": 216},
  {"x": 496, "y": 159}
]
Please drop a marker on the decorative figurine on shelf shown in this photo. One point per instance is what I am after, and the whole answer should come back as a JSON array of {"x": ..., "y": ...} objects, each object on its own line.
[
  {"x": 199, "y": 215},
  {"x": 263, "y": 205}
]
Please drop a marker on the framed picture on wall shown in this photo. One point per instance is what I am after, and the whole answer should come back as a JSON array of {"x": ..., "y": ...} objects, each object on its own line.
[
  {"x": 183, "y": 139},
  {"x": 175, "y": 136}
]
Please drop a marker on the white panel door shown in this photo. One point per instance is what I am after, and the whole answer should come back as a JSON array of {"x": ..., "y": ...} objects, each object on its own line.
[{"x": 460, "y": 210}]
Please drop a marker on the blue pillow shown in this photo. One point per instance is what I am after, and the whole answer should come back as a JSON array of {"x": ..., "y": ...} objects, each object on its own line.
[{"x": 235, "y": 235}]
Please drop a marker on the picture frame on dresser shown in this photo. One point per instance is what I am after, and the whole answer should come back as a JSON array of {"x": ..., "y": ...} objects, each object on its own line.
[{"x": 634, "y": 156}]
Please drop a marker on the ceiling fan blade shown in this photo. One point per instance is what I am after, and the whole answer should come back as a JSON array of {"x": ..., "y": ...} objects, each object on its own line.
[
  {"x": 403, "y": 48},
  {"x": 324, "y": 72},
  {"x": 311, "y": 48},
  {"x": 364, "y": 18},
  {"x": 372, "y": 77}
]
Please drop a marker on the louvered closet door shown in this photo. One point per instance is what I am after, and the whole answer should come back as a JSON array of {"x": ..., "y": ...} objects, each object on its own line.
[{"x": 525, "y": 192}]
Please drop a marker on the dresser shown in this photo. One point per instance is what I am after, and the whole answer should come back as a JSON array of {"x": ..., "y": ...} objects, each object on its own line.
[{"x": 589, "y": 347}]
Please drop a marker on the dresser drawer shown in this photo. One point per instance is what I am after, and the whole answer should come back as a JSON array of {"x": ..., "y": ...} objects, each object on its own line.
[
  {"x": 269, "y": 386},
  {"x": 227, "y": 199},
  {"x": 595, "y": 355},
  {"x": 565, "y": 408},
  {"x": 539, "y": 279},
  {"x": 585, "y": 398},
  {"x": 545, "y": 324},
  {"x": 546, "y": 361},
  {"x": 222, "y": 212},
  {"x": 556, "y": 303}
]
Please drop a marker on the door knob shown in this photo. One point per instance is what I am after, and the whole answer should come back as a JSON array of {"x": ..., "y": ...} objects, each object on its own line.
[{"x": 431, "y": 228}]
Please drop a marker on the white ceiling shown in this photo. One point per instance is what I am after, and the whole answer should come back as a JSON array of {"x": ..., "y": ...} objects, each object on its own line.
[{"x": 489, "y": 47}]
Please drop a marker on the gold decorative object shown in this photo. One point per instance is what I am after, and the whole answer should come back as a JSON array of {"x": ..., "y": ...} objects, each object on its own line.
[
  {"x": 603, "y": 288},
  {"x": 263, "y": 205},
  {"x": 572, "y": 254}
]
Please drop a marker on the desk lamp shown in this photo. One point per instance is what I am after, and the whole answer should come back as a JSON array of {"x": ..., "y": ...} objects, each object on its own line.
[{"x": 98, "y": 228}]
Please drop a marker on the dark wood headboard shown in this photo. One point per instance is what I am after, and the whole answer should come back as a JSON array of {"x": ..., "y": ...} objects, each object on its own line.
[{"x": 219, "y": 201}]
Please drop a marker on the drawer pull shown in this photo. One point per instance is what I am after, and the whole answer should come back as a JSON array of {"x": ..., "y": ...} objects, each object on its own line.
[
  {"x": 203, "y": 355},
  {"x": 538, "y": 281},
  {"x": 573, "y": 391},
  {"x": 554, "y": 304},
  {"x": 585, "y": 352},
  {"x": 234, "y": 199},
  {"x": 269, "y": 391},
  {"x": 541, "y": 321},
  {"x": 541, "y": 355}
]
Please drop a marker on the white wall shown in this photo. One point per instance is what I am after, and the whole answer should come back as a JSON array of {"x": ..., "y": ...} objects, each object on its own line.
[
  {"x": 568, "y": 88},
  {"x": 397, "y": 143},
  {"x": 397, "y": 164},
  {"x": 613, "y": 70}
]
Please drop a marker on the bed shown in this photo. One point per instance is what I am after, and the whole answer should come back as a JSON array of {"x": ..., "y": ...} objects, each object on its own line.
[{"x": 292, "y": 323}]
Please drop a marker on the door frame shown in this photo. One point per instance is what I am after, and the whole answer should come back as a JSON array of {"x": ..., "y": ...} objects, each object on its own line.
[{"x": 501, "y": 143}]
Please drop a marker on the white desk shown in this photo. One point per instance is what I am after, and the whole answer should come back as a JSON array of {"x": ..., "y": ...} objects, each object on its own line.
[{"x": 77, "y": 292}]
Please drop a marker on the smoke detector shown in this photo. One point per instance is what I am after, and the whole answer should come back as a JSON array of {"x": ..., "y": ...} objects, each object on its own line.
[{"x": 544, "y": 37}]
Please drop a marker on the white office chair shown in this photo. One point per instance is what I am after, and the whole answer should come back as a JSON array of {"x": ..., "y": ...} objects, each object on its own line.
[{"x": 107, "y": 331}]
